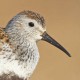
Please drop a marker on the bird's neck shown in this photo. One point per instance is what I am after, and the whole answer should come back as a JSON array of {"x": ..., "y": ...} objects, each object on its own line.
[
  {"x": 27, "y": 50},
  {"x": 24, "y": 48}
]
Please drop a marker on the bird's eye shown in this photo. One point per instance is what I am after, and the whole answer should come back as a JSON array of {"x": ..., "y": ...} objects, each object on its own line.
[{"x": 31, "y": 24}]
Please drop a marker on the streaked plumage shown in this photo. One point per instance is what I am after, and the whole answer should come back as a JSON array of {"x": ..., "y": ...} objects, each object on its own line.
[{"x": 18, "y": 50}]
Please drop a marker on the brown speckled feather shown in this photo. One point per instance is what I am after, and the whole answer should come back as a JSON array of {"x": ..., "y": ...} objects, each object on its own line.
[
  {"x": 34, "y": 16},
  {"x": 3, "y": 36},
  {"x": 8, "y": 77}
]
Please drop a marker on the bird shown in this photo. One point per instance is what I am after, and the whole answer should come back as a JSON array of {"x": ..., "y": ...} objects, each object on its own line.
[{"x": 19, "y": 54}]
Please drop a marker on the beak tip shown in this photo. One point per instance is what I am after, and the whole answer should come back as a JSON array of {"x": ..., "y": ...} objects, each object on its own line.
[{"x": 69, "y": 55}]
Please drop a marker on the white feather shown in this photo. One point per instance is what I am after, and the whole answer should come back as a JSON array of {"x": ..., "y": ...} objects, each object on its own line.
[{"x": 23, "y": 69}]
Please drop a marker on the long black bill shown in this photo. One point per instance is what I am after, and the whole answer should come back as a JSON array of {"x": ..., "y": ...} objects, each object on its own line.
[{"x": 50, "y": 40}]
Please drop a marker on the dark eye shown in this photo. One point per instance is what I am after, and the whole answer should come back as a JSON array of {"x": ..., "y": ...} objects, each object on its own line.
[{"x": 31, "y": 24}]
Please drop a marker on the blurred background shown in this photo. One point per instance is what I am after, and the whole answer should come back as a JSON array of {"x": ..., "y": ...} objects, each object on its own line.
[{"x": 63, "y": 24}]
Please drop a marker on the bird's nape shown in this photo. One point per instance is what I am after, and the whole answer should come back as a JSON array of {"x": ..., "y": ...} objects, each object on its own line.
[{"x": 50, "y": 40}]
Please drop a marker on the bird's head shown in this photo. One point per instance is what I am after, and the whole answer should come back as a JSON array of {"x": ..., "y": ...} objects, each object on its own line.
[{"x": 30, "y": 26}]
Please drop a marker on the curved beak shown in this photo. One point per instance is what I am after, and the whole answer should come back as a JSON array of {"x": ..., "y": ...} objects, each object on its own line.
[{"x": 50, "y": 40}]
